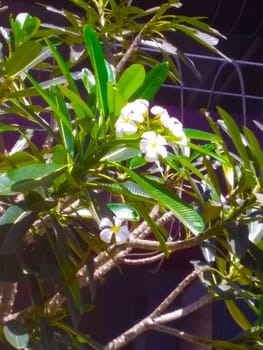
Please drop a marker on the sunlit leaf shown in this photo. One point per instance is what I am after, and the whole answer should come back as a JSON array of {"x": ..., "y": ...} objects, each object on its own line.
[
  {"x": 131, "y": 79},
  {"x": 189, "y": 217},
  {"x": 22, "y": 57},
  {"x": 153, "y": 81},
  {"x": 98, "y": 63},
  {"x": 237, "y": 315},
  {"x": 28, "y": 177}
]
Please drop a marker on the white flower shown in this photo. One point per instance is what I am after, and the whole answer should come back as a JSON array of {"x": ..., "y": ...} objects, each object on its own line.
[
  {"x": 125, "y": 126},
  {"x": 153, "y": 145},
  {"x": 132, "y": 113},
  {"x": 114, "y": 229},
  {"x": 172, "y": 124}
]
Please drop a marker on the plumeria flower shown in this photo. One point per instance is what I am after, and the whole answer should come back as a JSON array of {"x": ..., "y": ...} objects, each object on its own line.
[
  {"x": 113, "y": 229},
  {"x": 132, "y": 113},
  {"x": 153, "y": 146},
  {"x": 172, "y": 124}
]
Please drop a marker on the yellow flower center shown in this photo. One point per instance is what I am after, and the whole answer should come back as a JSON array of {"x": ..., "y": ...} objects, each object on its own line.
[
  {"x": 115, "y": 229},
  {"x": 127, "y": 119},
  {"x": 154, "y": 144}
]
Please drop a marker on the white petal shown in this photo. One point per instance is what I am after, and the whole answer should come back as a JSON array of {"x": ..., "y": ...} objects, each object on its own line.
[
  {"x": 106, "y": 235},
  {"x": 106, "y": 222},
  {"x": 122, "y": 236},
  {"x": 160, "y": 140},
  {"x": 144, "y": 144},
  {"x": 151, "y": 155},
  {"x": 158, "y": 110},
  {"x": 149, "y": 136},
  {"x": 162, "y": 151},
  {"x": 117, "y": 221}
]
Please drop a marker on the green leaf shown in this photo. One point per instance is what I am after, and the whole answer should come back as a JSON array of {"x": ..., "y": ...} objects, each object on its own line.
[
  {"x": 169, "y": 199},
  {"x": 254, "y": 146},
  {"x": 121, "y": 154},
  {"x": 52, "y": 104},
  {"x": 14, "y": 224},
  {"x": 64, "y": 124},
  {"x": 5, "y": 127},
  {"x": 16, "y": 335},
  {"x": 64, "y": 68},
  {"x": 116, "y": 101},
  {"x": 237, "y": 315},
  {"x": 124, "y": 211},
  {"x": 234, "y": 134},
  {"x": 24, "y": 27},
  {"x": 201, "y": 135},
  {"x": 28, "y": 177},
  {"x": 21, "y": 58},
  {"x": 131, "y": 79},
  {"x": 61, "y": 251},
  {"x": 77, "y": 101},
  {"x": 95, "y": 52},
  {"x": 152, "y": 82}
]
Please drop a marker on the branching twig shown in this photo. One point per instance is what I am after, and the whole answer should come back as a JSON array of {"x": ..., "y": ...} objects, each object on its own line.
[{"x": 155, "y": 317}]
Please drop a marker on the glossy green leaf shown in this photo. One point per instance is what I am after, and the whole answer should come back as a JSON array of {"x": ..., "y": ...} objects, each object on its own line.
[
  {"x": 98, "y": 64},
  {"x": 152, "y": 82},
  {"x": 116, "y": 101},
  {"x": 64, "y": 125},
  {"x": 14, "y": 224},
  {"x": 16, "y": 335},
  {"x": 124, "y": 211},
  {"x": 6, "y": 127},
  {"x": 131, "y": 79},
  {"x": 189, "y": 217},
  {"x": 121, "y": 154},
  {"x": 254, "y": 146},
  {"x": 195, "y": 134},
  {"x": 234, "y": 134},
  {"x": 28, "y": 177},
  {"x": 52, "y": 104},
  {"x": 22, "y": 57},
  {"x": 76, "y": 101},
  {"x": 203, "y": 150},
  {"x": 237, "y": 315},
  {"x": 24, "y": 27}
]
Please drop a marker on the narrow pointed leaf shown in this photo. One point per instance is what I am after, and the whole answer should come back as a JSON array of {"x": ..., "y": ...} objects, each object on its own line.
[
  {"x": 189, "y": 217},
  {"x": 254, "y": 146},
  {"x": 237, "y": 315},
  {"x": 235, "y": 136},
  {"x": 64, "y": 68},
  {"x": 98, "y": 64}
]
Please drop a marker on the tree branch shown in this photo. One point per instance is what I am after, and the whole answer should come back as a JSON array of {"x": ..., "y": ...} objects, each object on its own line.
[{"x": 154, "y": 318}]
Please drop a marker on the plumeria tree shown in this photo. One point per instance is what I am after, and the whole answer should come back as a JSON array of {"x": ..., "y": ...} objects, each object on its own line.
[{"x": 96, "y": 171}]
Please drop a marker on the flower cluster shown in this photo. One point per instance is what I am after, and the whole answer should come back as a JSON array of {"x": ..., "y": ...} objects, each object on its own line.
[
  {"x": 153, "y": 143},
  {"x": 156, "y": 132}
]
